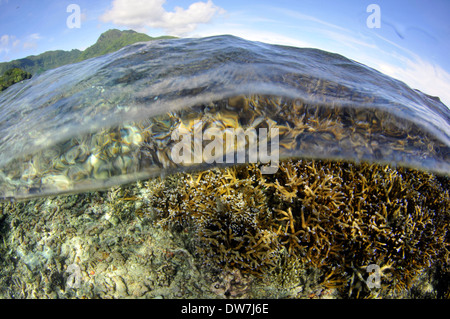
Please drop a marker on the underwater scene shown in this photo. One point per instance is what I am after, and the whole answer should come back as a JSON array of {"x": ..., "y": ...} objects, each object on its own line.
[{"x": 222, "y": 168}]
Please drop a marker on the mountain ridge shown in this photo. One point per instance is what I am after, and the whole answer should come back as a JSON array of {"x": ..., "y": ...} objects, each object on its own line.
[{"x": 109, "y": 41}]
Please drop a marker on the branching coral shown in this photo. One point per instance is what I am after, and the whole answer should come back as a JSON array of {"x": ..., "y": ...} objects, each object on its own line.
[
  {"x": 336, "y": 217},
  {"x": 228, "y": 216},
  {"x": 342, "y": 217}
]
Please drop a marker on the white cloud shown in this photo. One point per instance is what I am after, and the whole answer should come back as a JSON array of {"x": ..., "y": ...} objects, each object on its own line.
[
  {"x": 139, "y": 14},
  {"x": 244, "y": 32},
  {"x": 31, "y": 41},
  {"x": 420, "y": 74},
  {"x": 34, "y": 36},
  {"x": 4, "y": 40},
  {"x": 29, "y": 45},
  {"x": 300, "y": 16},
  {"x": 4, "y": 43},
  {"x": 347, "y": 39},
  {"x": 403, "y": 64}
]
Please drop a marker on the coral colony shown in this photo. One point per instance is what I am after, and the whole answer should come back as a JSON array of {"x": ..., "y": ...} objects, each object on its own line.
[
  {"x": 333, "y": 217},
  {"x": 232, "y": 146}
]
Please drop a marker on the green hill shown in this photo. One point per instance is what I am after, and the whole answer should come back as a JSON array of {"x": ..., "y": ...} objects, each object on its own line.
[
  {"x": 35, "y": 64},
  {"x": 113, "y": 40},
  {"x": 12, "y": 76},
  {"x": 109, "y": 41}
]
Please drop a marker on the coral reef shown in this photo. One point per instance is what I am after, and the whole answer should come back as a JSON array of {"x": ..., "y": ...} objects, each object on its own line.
[
  {"x": 315, "y": 229},
  {"x": 342, "y": 217},
  {"x": 91, "y": 245},
  {"x": 231, "y": 284},
  {"x": 335, "y": 217},
  {"x": 226, "y": 214}
]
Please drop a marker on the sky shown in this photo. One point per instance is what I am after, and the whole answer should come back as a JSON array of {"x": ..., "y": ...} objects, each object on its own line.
[{"x": 406, "y": 39}]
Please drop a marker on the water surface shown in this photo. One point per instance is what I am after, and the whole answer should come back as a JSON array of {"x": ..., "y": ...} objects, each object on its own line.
[{"x": 108, "y": 120}]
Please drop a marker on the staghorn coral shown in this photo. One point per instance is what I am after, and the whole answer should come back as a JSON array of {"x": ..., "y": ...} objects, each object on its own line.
[
  {"x": 322, "y": 224},
  {"x": 341, "y": 217},
  {"x": 227, "y": 215},
  {"x": 335, "y": 217}
]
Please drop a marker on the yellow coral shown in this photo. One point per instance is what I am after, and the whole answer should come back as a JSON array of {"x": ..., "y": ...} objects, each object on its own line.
[{"x": 338, "y": 217}]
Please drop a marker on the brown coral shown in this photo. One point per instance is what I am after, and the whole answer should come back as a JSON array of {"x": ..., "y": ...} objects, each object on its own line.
[
  {"x": 356, "y": 215},
  {"x": 228, "y": 217},
  {"x": 338, "y": 217}
]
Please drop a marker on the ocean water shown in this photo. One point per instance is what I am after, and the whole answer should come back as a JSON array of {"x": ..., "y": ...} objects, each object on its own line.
[{"x": 109, "y": 120}]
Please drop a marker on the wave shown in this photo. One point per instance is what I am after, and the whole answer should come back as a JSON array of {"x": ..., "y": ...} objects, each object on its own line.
[{"x": 108, "y": 120}]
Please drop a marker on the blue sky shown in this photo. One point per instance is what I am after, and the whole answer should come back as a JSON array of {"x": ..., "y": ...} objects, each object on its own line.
[{"x": 412, "y": 43}]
